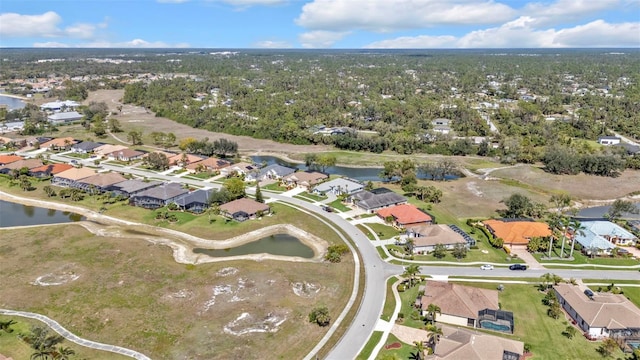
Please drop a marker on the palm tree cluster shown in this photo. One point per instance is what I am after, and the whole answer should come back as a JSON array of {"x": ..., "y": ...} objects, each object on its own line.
[{"x": 44, "y": 345}]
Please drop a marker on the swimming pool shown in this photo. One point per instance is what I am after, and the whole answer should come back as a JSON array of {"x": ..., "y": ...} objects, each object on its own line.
[{"x": 488, "y": 324}]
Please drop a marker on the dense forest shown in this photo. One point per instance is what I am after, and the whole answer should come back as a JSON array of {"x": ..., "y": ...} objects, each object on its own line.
[{"x": 518, "y": 105}]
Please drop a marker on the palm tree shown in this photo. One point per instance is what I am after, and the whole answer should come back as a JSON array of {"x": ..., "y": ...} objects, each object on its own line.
[
  {"x": 419, "y": 346},
  {"x": 577, "y": 228},
  {"x": 434, "y": 335},
  {"x": 6, "y": 325},
  {"x": 432, "y": 310},
  {"x": 63, "y": 353},
  {"x": 42, "y": 353},
  {"x": 411, "y": 271}
]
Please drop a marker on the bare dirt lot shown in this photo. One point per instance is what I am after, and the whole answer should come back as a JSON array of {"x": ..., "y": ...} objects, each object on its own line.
[
  {"x": 133, "y": 294},
  {"x": 136, "y": 117}
]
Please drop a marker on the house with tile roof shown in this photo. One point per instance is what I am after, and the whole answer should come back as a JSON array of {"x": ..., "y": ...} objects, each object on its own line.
[
  {"x": 240, "y": 168},
  {"x": 601, "y": 315},
  {"x": 379, "y": 198},
  {"x": 598, "y": 232},
  {"x": 126, "y": 155},
  {"x": 184, "y": 159},
  {"x": 243, "y": 209},
  {"x": 69, "y": 178},
  {"x": 59, "y": 143},
  {"x": 20, "y": 164},
  {"x": 459, "y": 304},
  {"x": 517, "y": 233},
  {"x": 425, "y": 237},
  {"x": 131, "y": 187},
  {"x": 107, "y": 149},
  {"x": 99, "y": 182},
  {"x": 210, "y": 164},
  {"x": 45, "y": 171},
  {"x": 339, "y": 187},
  {"x": 158, "y": 196},
  {"x": 8, "y": 159},
  {"x": 404, "y": 215},
  {"x": 304, "y": 179},
  {"x": 457, "y": 343}
]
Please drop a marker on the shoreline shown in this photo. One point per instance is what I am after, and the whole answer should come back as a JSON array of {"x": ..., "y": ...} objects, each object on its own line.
[
  {"x": 181, "y": 243},
  {"x": 19, "y": 97}
]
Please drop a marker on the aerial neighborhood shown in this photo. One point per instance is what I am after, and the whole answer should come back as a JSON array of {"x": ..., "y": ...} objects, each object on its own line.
[{"x": 230, "y": 204}]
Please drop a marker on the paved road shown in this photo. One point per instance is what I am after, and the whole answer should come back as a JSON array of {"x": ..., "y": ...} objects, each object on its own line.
[
  {"x": 74, "y": 338},
  {"x": 377, "y": 271},
  {"x": 625, "y": 139}
]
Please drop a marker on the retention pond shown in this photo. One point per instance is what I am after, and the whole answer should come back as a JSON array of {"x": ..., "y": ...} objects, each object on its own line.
[{"x": 278, "y": 244}]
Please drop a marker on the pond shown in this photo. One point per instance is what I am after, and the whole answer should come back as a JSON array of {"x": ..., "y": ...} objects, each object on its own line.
[
  {"x": 11, "y": 102},
  {"x": 599, "y": 212},
  {"x": 12, "y": 214},
  {"x": 356, "y": 173},
  {"x": 278, "y": 244}
]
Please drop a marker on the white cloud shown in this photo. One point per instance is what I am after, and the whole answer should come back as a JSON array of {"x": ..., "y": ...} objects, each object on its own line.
[
  {"x": 566, "y": 10},
  {"x": 13, "y": 25},
  {"x": 321, "y": 38},
  {"x": 270, "y": 44},
  {"x": 135, "y": 43},
  {"x": 416, "y": 42},
  {"x": 390, "y": 15},
  {"x": 521, "y": 33}
]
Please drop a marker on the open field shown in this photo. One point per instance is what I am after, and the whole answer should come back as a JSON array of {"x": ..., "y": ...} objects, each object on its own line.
[
  {"x": 15, "y": 348},
  {"x": 133, "y": 294}
]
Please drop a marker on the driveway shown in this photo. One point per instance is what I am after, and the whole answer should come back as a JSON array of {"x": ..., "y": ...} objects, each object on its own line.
[{"x": 523, "y": 254}]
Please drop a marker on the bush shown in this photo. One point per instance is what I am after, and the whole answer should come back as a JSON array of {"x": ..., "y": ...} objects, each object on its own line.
[
  {"x": 507, "y": 249},
  {"x": 335, "y": 252},
  {"x": 320, "y": 316}
]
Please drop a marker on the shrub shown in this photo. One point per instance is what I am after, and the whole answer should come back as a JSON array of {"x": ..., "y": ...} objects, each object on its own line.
[{"x": 320, "y": 316}]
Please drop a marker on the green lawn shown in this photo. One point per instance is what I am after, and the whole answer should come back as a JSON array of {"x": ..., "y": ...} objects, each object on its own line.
[
  {"x": 365, "y": 231},
  {"x": 274, "y": 187},
  {"x": 533, "y": 326},
  {"x": 412, "y": 316},
  {"x": 580, "y": 258},
  {"x": 381, "y": 252},
  {"x": 337, "y": 204},
  {"x": 201, "y": 175},
  {"x": 403, "y": 352},
  {"x": 384, "y": 231},
  {"x": 371, "y": 344},
  {"x": 312, "y": 196},
  {"x": 390, "y": 301}
]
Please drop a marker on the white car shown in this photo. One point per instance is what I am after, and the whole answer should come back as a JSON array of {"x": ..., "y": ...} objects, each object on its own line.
[{"x": 486, "y": 267}]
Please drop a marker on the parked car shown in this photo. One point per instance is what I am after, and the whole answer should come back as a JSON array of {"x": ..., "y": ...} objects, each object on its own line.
[
  {"x": 589, "y": 293},
  {"x": 517, "y": 267},
  {"x": 486, "y": 267}
]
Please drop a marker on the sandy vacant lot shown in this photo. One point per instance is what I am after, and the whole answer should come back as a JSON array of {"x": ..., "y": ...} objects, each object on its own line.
[
  {"x": 135, "y": 117},
  {"x": 132, "y": 293}
]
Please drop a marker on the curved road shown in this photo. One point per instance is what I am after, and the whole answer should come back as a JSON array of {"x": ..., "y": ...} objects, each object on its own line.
[
  {"x": 377, "y": 271},
  {"x": 74, "y": 338}
]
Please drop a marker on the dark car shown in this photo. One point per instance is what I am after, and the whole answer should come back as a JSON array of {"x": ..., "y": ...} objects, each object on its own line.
[
  {"x": 589, "y": 293},
  {"x": 517, "y": 267}
]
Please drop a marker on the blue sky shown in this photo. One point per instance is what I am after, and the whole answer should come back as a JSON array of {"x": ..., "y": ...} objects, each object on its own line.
[{"x": 320, "y": 23}]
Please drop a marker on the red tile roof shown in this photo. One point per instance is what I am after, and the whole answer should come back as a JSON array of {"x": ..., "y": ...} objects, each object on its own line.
[
  {"x": 8, "y": 159},
  {"x": 405, "y": 214},
  {"x": 51, "y": 168},
  {"x": 517, "y": 232}
]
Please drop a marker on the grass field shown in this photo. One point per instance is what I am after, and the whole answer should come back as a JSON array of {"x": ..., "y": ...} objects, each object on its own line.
[
  {"x": 404, "y": 352},
  {"x": 133, "y": 294},
  {"x": 390, "y": 300},
  {"x": 579, "y": 258},
  {"x": 371, "y": 344},
  {"x": 384, "y": 232},
  {"x": 12, "y": 346}
]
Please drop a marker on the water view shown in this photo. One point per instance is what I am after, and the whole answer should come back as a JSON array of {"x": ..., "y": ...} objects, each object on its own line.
[
  {"x": 11, "y": 102},
  {"x": 279, "y": 244},
  {"x": 12, "y": 214},
  {"x": 359, "y": 173}
]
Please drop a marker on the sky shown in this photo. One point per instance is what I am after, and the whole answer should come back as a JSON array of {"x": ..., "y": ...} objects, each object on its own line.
[{"x": 336, "y": 24}]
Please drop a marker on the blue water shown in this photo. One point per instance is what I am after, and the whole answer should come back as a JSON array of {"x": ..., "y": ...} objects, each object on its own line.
[
  {"x": 12, "y": 103},
  {"x": 361, "y": 174},
  {"x": 279, "y": 244},
  {"x": 486, "y": 324},
  {"x": 12, "y": 214}
]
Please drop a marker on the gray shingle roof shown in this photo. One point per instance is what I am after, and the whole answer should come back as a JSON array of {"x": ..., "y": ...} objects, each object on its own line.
[
  {"x": 163, "y": 192},
  {"x": 86, "y": 145},
  {"x": 133, "y": 185},
  {"x": 371, "y": 201},
  {"x": 198, "y": 196}
]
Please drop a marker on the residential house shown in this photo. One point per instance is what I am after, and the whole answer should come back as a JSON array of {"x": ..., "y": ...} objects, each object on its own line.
[
  {"x": 59, "y": 143},
  {"x": 20, "y": 164},
  {"x": 339, "y": 187},
  {"x": 243, "y": 209},
  {"x": 99, "y": 182},
  {"x": 195, "y": 201},
  {"x": 630, "y": 149},
  {"x": 126, "y": 155},
  {"x": 210, "y": 164},
  {"x": 59, "y": 105},
  {"x": 517, "y": 233},
  {"x": 85, "y": 147},
  {"x": 184, "y": 159},
  {"x": 304, "y": 179},
  {"x": 69, "y": 178},
  {"x": 459, "y": 304},
  {"x": 107, "y": 149},
  {"x": 375, "y": 199},
  {"x": 441, "y": 126},
  {"x": 269, "y": 172},
  {"x": 425, "y": 237},
  {"x": 241, "y": 168},
  {"x": 158, "y": 196},
  {"x": 64, "y": 117},
  {"x": 8, "y": 159},
  {"x": 131, "y": 187},
  {"x": 404, "y": 215},
  {"x": 609, "y": 140},
  {"x": 45, "y": 171},
  {"x": 601, "y": 237},
  {"x": 601, "y": 315},
  {"x": 457, "y": 343},
  {"x": 12, "y": 126}
]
